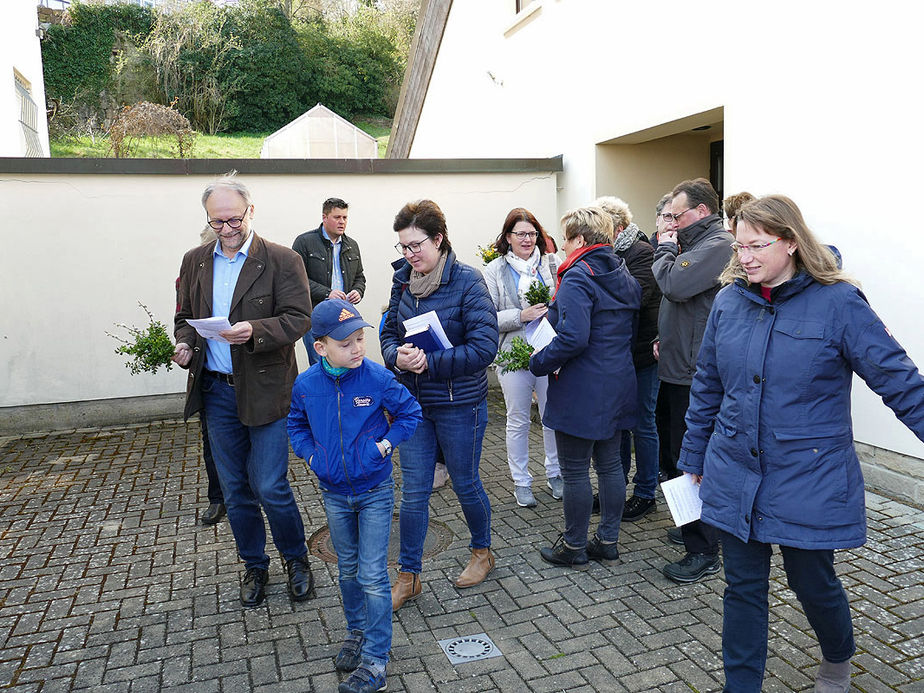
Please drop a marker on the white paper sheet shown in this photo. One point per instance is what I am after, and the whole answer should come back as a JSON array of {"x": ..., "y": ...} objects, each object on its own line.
[
  {"x": 539, "y": 333},
  {"x": 682, "y": 496},
  {"x": 419, "y": 323},
  {"x": 210, "y": 327}
]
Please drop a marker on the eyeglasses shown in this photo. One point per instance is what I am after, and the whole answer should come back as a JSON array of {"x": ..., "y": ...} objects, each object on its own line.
[
  {"x": 233, "y": 222},
  {"x": 413, "y": 247},
  {"x": 667, "y": 216},
  {"x": 676, "y": 217},
  {"x": 753, "y": 247},
  {"x": 522, "y": 235}
]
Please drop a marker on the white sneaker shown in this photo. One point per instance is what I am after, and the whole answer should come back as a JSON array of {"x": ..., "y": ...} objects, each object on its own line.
[
  {"x": 524, "y": 496},
  {"x": 558, "y": 487},
  {"x": 440, "y": 476}
]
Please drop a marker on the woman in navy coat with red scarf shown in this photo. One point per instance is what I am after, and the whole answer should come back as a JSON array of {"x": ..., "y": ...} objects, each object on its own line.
[
  {"x": 769, "y": 434},
  {"x": 591, "y": 396}
]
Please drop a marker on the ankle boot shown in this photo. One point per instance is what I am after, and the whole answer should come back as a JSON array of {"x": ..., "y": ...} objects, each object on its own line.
[
  {"x": 833, "y": 678},
  {"x": 406, "y": 587},
  {"x": 479, "y": 565}
]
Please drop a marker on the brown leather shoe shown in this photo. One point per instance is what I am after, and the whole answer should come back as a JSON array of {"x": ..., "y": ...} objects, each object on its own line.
[
  {"x": 479, "y": 565},
  {"x": 406, "y": 587}
]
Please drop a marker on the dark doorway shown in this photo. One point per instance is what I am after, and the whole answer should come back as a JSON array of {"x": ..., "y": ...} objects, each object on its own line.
[{"x": 717, "y": 167}]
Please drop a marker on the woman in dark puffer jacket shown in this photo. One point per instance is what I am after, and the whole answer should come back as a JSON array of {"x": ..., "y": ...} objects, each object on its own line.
[
  {"x": 451, "y": 386},
  {"x": 592, "y": 396}
]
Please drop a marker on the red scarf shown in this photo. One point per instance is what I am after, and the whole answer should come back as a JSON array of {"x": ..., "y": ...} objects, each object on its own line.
[{"x": 572, "y": 259}]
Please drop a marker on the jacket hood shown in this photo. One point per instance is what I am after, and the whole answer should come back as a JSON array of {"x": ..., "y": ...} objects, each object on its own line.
[
  {"x": 694, "y": 233},
  {"x": 607, "y": 271}
]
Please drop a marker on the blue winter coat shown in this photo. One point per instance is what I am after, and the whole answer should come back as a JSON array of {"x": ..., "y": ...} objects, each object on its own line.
[
  {"x": 335, "y": 422},
  {"x": 454, "y": 376},
  {"x": 769, "y": 425},
  {"x": 594, "y": 313}
]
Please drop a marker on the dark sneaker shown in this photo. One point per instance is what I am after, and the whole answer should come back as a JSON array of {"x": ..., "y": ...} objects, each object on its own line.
[
  {"x": 350, "y": 655},
  {"x": 692, "y": 567},
  {"x": 213, "y": 514},
  {"x": 599, "y": 551},
  {"x": 675, "y": 536},
  {"x": 366, "y": 679},
  {"x": 636, "y": 508},
  {"x": 561, "y": 554}
]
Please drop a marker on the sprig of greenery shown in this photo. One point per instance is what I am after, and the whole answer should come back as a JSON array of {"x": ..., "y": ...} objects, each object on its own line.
[
  {"x": 537, "y": 293},
  {"x": 516, "y": 358},
  {"x": 488, "y": 253},
  {"x": 149, "y": 348}
]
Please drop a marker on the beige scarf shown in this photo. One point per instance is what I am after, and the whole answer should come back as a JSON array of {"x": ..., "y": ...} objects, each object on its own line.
[{"x": 422, "y": 285}]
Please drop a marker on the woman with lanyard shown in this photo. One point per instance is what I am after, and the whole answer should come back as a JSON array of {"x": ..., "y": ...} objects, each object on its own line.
[{"x": 525, "y": 258}]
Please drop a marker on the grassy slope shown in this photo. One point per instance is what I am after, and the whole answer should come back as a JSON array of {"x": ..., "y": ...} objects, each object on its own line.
[{"x": 241, "y": 145}]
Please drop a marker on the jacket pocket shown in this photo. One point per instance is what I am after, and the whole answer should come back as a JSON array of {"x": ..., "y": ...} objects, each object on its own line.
[
  {"x": 723, "y": 469},
  {"x": 806, "y": 476},
  {"x": 259, "y": 307}
]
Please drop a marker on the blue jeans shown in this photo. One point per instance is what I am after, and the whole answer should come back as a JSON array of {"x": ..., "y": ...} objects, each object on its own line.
[
  {"x": 458, "y": 431},
  {"x": 359, "y": 529},
  {"x": 308, "y": 341},
  {"x": 810, "y": 574},
  {"x": 574, "y": 456},
  {"x": 252, "y": 464},
  {"x": 646, "y": 436}
]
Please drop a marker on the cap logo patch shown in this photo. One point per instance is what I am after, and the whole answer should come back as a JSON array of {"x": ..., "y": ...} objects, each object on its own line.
[{"x": 345, "y": 315}]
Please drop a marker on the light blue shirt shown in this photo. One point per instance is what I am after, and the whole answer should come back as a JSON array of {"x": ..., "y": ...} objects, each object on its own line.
[
  {"x": 336, "y": 277},
  {"x": 225, "y": 273}
]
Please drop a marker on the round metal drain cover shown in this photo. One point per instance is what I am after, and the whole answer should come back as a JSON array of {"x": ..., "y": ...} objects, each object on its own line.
[
  {"x": 469, "y": 648},
  {"x": 439, "y": 537}
]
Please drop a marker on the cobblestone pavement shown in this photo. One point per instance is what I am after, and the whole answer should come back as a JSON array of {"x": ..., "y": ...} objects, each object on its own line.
[{"x": 108, "y": 584}]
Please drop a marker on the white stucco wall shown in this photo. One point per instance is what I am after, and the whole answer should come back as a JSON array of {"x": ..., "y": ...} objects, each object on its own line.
[
  {"x": 818, "y": 104},
  {"x": 20, "y": 50},
  {"x": 79, "y": 252}
]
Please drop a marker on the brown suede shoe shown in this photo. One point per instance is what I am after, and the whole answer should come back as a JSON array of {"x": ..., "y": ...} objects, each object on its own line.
[
  {"x": 479, "y": 565},
  {"x": 406, "y": 587}
]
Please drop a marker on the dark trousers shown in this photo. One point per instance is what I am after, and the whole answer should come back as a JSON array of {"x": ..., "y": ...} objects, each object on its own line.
[
  {"x": 574, "y": 456},
  {"x": 745, "y": 612},
  {"x": 670, "y": 414},
  {"x": 214, "y": 491}
]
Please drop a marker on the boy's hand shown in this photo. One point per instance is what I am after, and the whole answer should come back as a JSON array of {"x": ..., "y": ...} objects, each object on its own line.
[{"x": 381, "y": 449}]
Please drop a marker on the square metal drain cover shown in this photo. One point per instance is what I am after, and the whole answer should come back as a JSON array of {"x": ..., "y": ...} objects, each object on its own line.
[{"x": 469, "y": 648}]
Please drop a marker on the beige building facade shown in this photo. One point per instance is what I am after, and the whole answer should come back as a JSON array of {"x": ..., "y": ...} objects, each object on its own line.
[{"x": 812, "y": 100}]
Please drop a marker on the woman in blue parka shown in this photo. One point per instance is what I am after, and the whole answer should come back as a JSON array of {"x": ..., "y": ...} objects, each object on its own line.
[
  {"x": 591, "y": 396},
  {"x": 769, "y": 433},
  {"x": 450, "y": 384}
]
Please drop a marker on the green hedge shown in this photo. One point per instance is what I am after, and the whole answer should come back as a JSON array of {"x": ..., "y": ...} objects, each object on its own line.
[{"x": 77, "y": 59}]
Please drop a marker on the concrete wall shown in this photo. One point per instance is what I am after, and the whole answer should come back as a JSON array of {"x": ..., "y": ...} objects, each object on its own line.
[
  {"x": 816, "y": 106},
  {"x": 81, "y": 250},
  {"x": 20, "y": 50}
]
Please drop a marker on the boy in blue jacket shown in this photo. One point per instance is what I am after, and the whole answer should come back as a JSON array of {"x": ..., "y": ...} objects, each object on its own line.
[{"x": 337, "y": 423}]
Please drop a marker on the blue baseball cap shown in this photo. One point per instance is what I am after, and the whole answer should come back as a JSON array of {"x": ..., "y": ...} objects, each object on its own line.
[{"x": 335, "y": 318}]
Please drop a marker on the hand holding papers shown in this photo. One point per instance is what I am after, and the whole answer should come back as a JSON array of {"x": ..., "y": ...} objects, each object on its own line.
[
  {"x": 539, "y": 333},
  {"x": 682, "y": 496},
  {"x": 426, "y": 332},
  {"x": 210, "y": 327}
]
